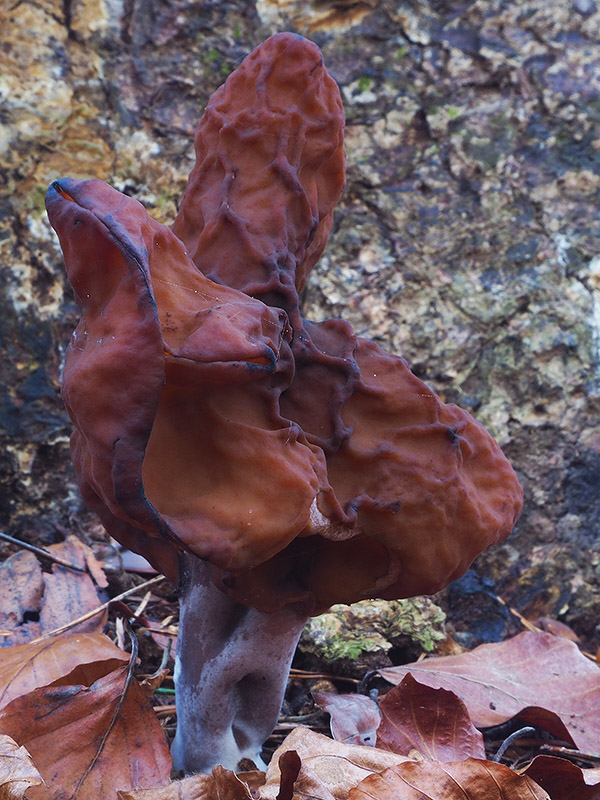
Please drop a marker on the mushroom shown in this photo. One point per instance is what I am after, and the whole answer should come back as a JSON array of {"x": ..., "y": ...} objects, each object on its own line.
[{"x": 270, "y": 465}]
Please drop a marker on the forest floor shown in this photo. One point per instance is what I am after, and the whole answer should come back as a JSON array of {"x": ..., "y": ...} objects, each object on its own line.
[{"x": 87, "y": 703}]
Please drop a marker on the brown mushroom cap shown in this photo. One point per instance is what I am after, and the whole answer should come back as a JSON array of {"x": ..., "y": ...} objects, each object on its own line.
[
  {"x": 306, "y": 465},
  {"x": 269, "y": 170},
  {"x": 423, "y": 487},
  {"x": 170, "y": 379}
]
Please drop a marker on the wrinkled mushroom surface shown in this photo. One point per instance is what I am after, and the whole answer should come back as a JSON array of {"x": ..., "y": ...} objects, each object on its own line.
[
  {"x": 274, "y": 465},
  {"x": 305, "y": 465},
  {"x": 269, "y": 171},
  {"x": 169, "y": 380}
]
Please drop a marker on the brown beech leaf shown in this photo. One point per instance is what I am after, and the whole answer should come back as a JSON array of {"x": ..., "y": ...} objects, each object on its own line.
[
  {"x": 557, "y": 628},
  {"x": 329, "y": 768},
  {"x": 21, "y": 590},
  {"x": 299, "y": 781},
  {"x": 227, "y": 786},
  {"x": 73, "y": 658},
  {"x": 461, "y": 780},
  {"x": 591, "y": 776},
  {"x": 69, "y": 594},
  {"x": 34, "y": 602},
  {"x": 564, "y": 780},
  {"x": 155, "y": 681},
  {"x": 435, "y": 722},
  {"x": 354, "y": 717},
  {"x": 64, "y": 729},
  {"x": 95, "y": 569},
  {"x": 17, "y": 771},
  {"x": 196, "y": 787},
  {"x": 222, "y": 784},
  {"x": 543, "y": 679},
  {"x": 254, "y": 779}
]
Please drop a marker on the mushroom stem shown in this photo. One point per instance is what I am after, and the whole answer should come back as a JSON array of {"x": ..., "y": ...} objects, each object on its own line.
[{"x": 231, "y": 671}]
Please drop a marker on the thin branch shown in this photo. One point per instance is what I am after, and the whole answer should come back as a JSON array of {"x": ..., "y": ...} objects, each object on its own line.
[
  {"x": 98, "y": 610},
  {"x": 41, "y": 552},
  {"x": 531, "y": 627},
  {"x": 164, "y": 711},
  {"x": 164, "y": 660},
  {"x": 570, "y": 753},
  {"x": 172, "y": 632},
  {"x": 510, "y": 739},
  {"x": 144, "y": 603},
  {"x": 303, "y": 673}
]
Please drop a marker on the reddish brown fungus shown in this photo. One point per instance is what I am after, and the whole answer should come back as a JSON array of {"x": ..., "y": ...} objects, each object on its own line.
[{"x": 276, "y": 465}]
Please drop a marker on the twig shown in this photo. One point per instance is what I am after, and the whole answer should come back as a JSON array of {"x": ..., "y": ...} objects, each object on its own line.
[
  {"x": 39, "y": 551},
  {"x": 523, "y": 620},
  {"x": 115, "y": 717},
  {"x": 98, "y": 610},
  {"x": 531, "y": 627},
  {"x": 569, "y": 752},
  {"x": 510, "y": 739},
  {"x": 289, "y": 726},
  {"x": 162, "y": 631},
  {"x": 119, "y": 639},
  {"x": 152, "y": 683},
  {"x": 301, "y": 717},
  {"x": 164, "y": 711},
  {"x": 303, "y": 673},
  {"x": 164, "y": 660},
  {"x": 144, "y": 603}
]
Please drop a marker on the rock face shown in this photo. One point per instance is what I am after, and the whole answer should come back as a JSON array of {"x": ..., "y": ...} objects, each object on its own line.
[{"x": 468, "y": 236}]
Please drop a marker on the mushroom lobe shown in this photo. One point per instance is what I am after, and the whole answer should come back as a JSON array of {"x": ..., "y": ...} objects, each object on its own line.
[{"x": 306, "y": 465}]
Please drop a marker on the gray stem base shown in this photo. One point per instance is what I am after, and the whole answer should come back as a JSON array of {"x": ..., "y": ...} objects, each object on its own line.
[{"x": 231, "y": 671}]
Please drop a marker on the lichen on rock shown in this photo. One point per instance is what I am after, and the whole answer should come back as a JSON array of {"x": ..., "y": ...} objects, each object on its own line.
[{"x": 360, "y": 636}]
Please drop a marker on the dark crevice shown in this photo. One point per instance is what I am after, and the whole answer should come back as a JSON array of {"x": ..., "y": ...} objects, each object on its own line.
[{"x": 68, "y": 15}]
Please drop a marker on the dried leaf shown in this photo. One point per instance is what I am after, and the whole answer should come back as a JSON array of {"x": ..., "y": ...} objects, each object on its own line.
[
  {"x": 63, "y": 727},
  {"x": 21, "y": 590},
  {"x": 196, "y": 787},
  {"x": 564, "y": 780},
  {"x": 94, "y": 567},
  {"x": 354, "y": 717},
  {"x": 69, "y": 594},
  {"x": 222, "y": 784},
  {"x": 73, "y": 658},
  {"x": 557, "y": 628},
  {"x": 33, "y": 602},
  {"x": 591, "y": 776},
  {"x": 154, "y": 682},
  {"x": 543, "y": 679},
  {"x": 433, "y": 721},
  {"x": 461, "y": 780},
  {"x": 133, "y": 562},
  {"x": 17, "y": 771},
  {"x": 298, "y": 781},
  {"x": 253, "y": 778},
  {"x": 331, "y": 767},
  {"x": 227, "y": 786}
]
